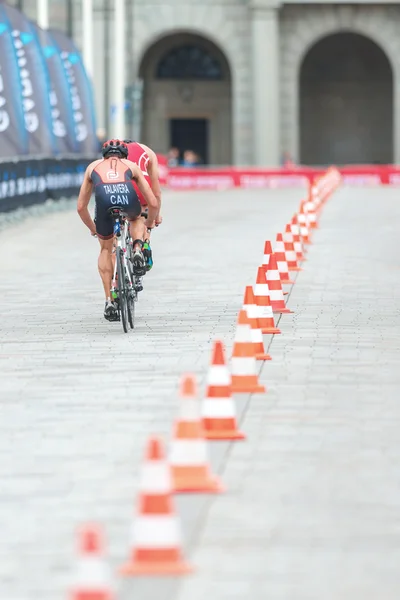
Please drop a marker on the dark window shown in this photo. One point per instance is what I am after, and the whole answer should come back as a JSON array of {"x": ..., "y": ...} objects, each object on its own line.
[
  {"x": 190, "y": 134},
  {"x": 189, "y": 62}
]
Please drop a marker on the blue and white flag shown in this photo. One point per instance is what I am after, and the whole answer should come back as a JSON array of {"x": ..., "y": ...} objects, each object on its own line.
[
  {"x": 34, "y": 81},
  {"x": 60, "y": 98},
  {"x": 81, "y": 94},
  {"x": 13, "y": 134}
]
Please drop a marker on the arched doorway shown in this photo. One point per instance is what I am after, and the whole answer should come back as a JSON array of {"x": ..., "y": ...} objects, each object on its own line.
[
  {"x": 187, "y": 98},
  {"x": 346, "y": 102}
]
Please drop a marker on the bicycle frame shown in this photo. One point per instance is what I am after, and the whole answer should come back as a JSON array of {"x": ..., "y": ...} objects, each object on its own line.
[{"x": 121, "y": 234}]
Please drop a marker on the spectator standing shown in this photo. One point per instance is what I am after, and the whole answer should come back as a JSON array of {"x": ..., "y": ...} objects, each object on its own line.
[
  {"x": 173, "y": 157},
  {"x": 287, "y": 162},
  {"x": 189, "y": 159}
]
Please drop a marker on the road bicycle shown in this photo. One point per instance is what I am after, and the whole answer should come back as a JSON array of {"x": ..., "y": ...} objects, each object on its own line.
[{"x": 125, "y": 284}]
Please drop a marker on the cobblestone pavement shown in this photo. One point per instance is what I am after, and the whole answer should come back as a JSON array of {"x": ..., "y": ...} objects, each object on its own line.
[{"x": 312, "y": 503}]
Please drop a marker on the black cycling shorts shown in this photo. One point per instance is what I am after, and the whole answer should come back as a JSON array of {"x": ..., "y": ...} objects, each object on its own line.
[{"x": 128, "y": 202}]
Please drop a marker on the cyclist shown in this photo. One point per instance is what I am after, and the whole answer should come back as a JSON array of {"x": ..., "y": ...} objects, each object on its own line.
[
  {"x": 113, "y": 178},
  {"x": 146, "y": 159}
]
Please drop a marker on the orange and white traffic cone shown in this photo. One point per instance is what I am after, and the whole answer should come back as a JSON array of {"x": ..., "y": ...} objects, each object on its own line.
[
  {"x": 190, "y": 467},
  {"x": 291, "y": 257},
  {"x": 93, "y": 577},
  {"x": 296, "y": 231},
  {"x": 218, "y": 409},
  {"x": 288, "y": 239},
  {"x": 280, "y": 256},
  {"x": 258, "y": 344},
  {"x": 313, "y": 193},
  {"x": 249, "y": 305},
  {"x": 310, "y": 209},
  {"x": 312, "y": 204},
  {"x": 251, "y": 310},
  {"x": 316, "y": 197},
  {"x": 304, "y": 226},
  {"x": 275, "y": 287},
  {"x": 267, "y": 253},
  {"x": 304, "y": 230},
  {"x": 265, "y": 315},
  {"x": 156, "y": 544},
  {"x": 292, "y": 234},
  {"x": 244, "y": 364},
  {"x": 298, "y": 246}
]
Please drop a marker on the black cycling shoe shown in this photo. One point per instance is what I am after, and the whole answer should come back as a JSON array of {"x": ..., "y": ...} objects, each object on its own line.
[
  {"x": 139, "y": 263},
  {"x": 111, "y": 312},
  {"x": 138, "y": 285}
]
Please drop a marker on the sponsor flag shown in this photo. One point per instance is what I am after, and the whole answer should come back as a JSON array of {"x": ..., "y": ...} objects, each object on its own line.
[
  {"x": 60, "y": 98},
  {"x": 34, "y": 82},
  {"x": 81, "y": 94},
  {"x": 13, "y": 135}
]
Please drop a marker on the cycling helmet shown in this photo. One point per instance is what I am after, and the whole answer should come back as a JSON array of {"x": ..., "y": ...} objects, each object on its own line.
[{"x": 114, "y": 147}]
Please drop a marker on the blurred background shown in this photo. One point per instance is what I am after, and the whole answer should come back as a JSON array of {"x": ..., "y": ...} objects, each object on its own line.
[{"x": 231, "y": 82}]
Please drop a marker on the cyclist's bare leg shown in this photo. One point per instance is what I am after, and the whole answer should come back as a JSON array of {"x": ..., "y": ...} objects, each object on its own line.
[
  {"x": 105, "y": 265},
  {"x": 146, "y": 232},
  {"x": 137, "y": 229},
  {"x": 113, "y": 255}
]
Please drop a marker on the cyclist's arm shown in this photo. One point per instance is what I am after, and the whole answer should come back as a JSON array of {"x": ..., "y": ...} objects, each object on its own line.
[
  {"x": 85, "y": 194},
  {"x": 152, "y": 169},
  {"x": 148, "y": 195}
]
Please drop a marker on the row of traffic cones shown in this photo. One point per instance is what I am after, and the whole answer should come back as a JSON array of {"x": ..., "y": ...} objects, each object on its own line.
[{"x": 156, "y": 540}]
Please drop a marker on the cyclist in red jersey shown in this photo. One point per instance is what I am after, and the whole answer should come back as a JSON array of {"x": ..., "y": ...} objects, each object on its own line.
[{"x": 147, "y": 162}]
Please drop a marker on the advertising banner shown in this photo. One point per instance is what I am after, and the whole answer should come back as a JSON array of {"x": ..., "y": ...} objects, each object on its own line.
[
  {"x": 81, "y": 93},
  {"x": 34, "y": 83},
  {"x": 32, "y": 181},
  {"x": 251, "y": 178},
  {"x": 60, "y": 98},
  {"x": 13, "y": 135}
]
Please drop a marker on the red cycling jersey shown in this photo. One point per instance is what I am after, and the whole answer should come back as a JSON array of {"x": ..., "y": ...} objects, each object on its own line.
[{"x": 138, "y": 155}]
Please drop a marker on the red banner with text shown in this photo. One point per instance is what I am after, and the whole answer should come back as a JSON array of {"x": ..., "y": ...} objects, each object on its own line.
[{"x": 225, "y": 178}]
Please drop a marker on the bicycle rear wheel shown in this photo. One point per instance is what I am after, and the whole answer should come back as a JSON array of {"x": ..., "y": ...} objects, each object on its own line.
[
  {"x": 131, "y": 297},
  {"x": 122, "y": 290}
]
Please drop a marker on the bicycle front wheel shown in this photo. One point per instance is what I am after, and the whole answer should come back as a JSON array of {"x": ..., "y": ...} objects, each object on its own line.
[{"x": 122, "y": 290}]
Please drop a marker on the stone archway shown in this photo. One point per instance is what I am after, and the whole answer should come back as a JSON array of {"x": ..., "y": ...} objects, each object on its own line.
[
  {"x": 346, "y": 102},
  {"x": 302, "y": 27},
  {"x": 187, "y": 98}
]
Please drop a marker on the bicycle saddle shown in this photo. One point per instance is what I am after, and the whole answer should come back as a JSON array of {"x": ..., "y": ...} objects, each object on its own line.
[{"x": 116, "y": 211}]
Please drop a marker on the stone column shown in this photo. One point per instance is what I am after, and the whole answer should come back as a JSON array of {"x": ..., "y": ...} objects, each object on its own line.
[
  {"x": 396, "y": 114},
  {"x": 42, "y": 13},
  {"x": 119, "y": 69},
  {"x": 265, "y": 68},
  {"x": 87, "y": 37}
]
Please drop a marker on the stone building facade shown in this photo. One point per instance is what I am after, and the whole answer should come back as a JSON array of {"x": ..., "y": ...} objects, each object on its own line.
[{"x": 244, "y": 81}]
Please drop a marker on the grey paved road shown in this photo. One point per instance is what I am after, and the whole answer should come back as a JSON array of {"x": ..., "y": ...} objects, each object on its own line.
[
  {"x": 312, "y": 508},
  {"x": 79, "y": 398}
]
